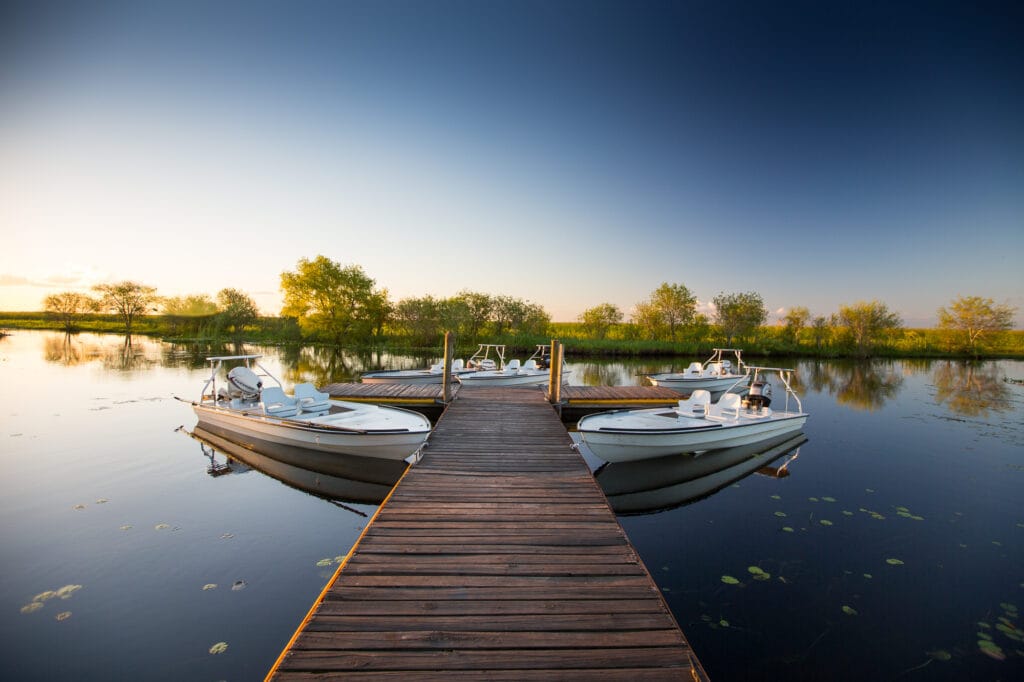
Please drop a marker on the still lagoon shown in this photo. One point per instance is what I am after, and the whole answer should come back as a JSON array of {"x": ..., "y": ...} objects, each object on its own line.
[{"x": 891, "y": 545}]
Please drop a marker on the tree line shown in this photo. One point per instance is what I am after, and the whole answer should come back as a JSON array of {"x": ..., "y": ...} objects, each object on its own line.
[{"x": 327, "y": 302}]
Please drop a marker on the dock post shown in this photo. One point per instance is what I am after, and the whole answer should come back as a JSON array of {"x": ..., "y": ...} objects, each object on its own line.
[
  {"x": 555, "y": 374},
  {"x": 446, "y": 380}
]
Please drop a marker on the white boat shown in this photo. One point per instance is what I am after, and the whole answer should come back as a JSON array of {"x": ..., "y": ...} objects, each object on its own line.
[
  {"x": 431, "y": 375},
  {"x": 246, "y": 406},
  {"x": 534, "y": 372},
  {"x": 715, "y": 374},
  {"x": 695, "y": 424}
]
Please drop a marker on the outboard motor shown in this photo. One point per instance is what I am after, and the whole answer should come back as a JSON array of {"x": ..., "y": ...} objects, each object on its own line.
[
  {"x": 245, "y": 383},
  {"x": 760, "y": 394}
]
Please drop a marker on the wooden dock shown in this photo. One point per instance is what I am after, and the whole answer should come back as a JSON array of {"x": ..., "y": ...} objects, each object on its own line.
[
  {"x": 496, "y": 557},
  {"x": 576, "y": 401}
]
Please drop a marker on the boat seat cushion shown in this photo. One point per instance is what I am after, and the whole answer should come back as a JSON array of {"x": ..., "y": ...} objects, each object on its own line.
[
  {"x": 277, "y": 404},
  {"x": 310, "y": 399}
]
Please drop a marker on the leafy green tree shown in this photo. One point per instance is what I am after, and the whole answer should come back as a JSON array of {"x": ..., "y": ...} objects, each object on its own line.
[
  {"x": 237, "y": 309},
  {"x": 597, "y": 321},
  {"x": 739, "y": 315},
  {"x": 973, "y": 318},
  {"x": 515, "y": 316},
  {"x": 419, "y": 318},
  {"x": 329, "y": 300},
  {"x": 127, "y": 299},
  {"x": 670, "y": 308},
  {"x": 867, "y": 324},
  {"x": 474, "y": 311},
  {"x": 68, "y": 307},
  {"x": 795, "y": 321},
  {"x": 195, "y": 305},
  {"x": 821, "y": 331}
]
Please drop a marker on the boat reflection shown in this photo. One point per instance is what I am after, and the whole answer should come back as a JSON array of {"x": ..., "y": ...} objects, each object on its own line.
[
  {"x": 334, "y": 477},
  {"x": 653, "y": 485}
]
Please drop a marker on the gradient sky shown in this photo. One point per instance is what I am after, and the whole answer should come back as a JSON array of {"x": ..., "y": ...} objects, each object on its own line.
[{"x": 567, "y": 153}]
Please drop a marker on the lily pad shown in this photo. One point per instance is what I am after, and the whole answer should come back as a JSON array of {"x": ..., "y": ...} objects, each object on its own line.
[
  {"x": 32, "y": 607},
  {"x": 787, "y": 529},
  {"x": 127, "y": 526},
  {"x": 161, "y": 526},
  {"x": 68, "y": 590},
  {"x": 729, "y": 580},
  {"x": 724, "y": 623},
  {"x": 324, "y": 562},
  {"x": 894, "y": 562},
  {"x": 829, "y": 499},
  {"x": 63, "y": 615},
  {"x": 754, "y": 570},
  {"x": 940, "y": 655},
  {"x": 825, "y": 522},
  {"x": 849, "y": 610},
  {"x": 239, "y": 585},
  {"x": 209, "y": 586},
  {"x": 219, "y": 648},
  {"x": 780, "y": 513}
]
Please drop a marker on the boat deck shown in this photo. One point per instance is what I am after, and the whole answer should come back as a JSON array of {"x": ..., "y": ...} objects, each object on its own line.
[{"x": 496, "y": 557}]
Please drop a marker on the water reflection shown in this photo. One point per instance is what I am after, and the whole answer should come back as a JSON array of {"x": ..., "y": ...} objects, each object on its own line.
[
  {"x": 971, "y": 389},
  {"x": 652, "y": 485},
  {"x": 338, "y": 478},
  {"x": 116, "y": 353},
  {"x": 863, "y": 385}
]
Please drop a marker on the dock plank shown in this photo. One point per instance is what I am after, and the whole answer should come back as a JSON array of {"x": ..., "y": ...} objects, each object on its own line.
[{"x": 497, "y": 557}]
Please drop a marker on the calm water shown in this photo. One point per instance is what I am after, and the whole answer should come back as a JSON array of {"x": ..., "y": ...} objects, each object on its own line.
[{"x": 152, "y": 561}]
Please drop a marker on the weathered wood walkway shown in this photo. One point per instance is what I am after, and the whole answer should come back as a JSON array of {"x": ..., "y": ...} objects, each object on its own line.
[{"x": 496, "y": 557}]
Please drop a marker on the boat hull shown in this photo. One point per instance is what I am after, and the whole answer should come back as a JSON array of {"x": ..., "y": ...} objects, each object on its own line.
[
  {"x": 499, "y": 378},
  {"x": 633, "y": 444},
  {"x": 404, "y": 439},
  {"x": 403, "y": 377},
  {"x": 678, "y": 382}
]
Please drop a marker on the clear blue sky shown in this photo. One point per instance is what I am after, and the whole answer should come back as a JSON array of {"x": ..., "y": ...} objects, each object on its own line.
[{"x": 568, "y": 153}]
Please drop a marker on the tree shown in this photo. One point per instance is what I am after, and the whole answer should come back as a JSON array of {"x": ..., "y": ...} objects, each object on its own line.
[
  {"x": 739, "y": 315},
  {"x": 329, "y": 300},
  {"x": 821, "y": 330},
  {"x": 127, "y": 299},
  {"x": 598, "y": 320},
  {"x": 867, "y": 324},
  {"x": 475, "y": 308},
  {"x": 796, "y": 319},
  {"x": 68, "y": 307},
  {"x": 237, "y": 309},
  {"x": 419, "y": 318},
  {"x": 974, "y": 318},
  {"x": 195, "y": 305},
  {"x": 670, "y": 307}
]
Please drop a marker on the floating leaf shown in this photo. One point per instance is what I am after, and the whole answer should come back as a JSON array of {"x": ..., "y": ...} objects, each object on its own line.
[
  {"x": 829, "y": 499},
  {"x": 102, "y": 500},
  {"x": 868, "y": 576},
  {"x": 983, "y": 624},
  {"x": 126, "y": 527},
  {"x": 902, "y": 509},
  {"x": 894, "y": 562},
  {"x": 984, "y": 635},
  {"x": 763, "y": 576},
  {"x": 219, "y": 648},
  {"x": 813, "y": 499},
  {"x": 787, "y": 529},
  {"x": 847, "y": 513},
  {"x": 43, "y": 596},
  {"x": 940, "y": 655},
  {"x": 991, "y": 650},
  {"x": 917, "y": 518},
  {"x": 68, "y": 590},
  {"x": 227, "y": 536},
  {"x": 868, "y": 490},
  {"x": 849, "y": 611},
  {"x": 754, "y": 570},
  {"x": 729, "y": 580},
  {"x": 780, "y": 513},
  {"x": 825, "y": 522},
  {"x": 63, "y": 615},
  {"x": 79, "y": 507},
  {"x": 724, "y": 623},
  {"x": 324, "y": 562},
  {"x": 209, "y": 586},
  {"x": 238, "y": 585},
  {"x": 161, "y": 526},
  {"x": 779, "y": 497},
  {"x": 32, "y": 607}
]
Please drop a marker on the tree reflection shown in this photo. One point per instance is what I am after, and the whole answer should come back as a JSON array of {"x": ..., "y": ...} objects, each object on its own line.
[
  {"x": 126, "y": 355},
  {"x": 970, "y": 388},
  {"x": 863, "y": 385},
  {"x": 62, "y": 350},
  {"x": 319, "y": 365},
  {"x": 599, "y": 374}
]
